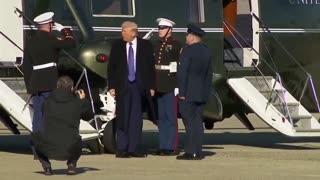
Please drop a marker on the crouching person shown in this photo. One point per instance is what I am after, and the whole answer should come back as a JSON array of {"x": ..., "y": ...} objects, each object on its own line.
[{"x": 59, "y": 137}]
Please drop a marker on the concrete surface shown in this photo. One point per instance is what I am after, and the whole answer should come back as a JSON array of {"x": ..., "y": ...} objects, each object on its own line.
[{"x": 232, "y": 152}]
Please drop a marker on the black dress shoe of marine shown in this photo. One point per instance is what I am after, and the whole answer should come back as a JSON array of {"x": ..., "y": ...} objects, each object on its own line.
[
  {"x": 160, "y": 152},
  {"x": 48, "y": 171},
  {"x": 170, "y": 152},
  {"x": 138, "y": 155},
  {"x": 187, "y": 156},
  {"x": 122, "y": 154}
]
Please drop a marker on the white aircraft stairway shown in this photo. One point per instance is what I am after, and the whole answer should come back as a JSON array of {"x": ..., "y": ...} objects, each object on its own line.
[
  {"x": 275, "y": 105},
  {"x": 14, "y": 105}
]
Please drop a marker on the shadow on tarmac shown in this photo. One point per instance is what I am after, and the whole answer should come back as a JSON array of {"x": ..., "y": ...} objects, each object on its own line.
[
  {"x": 79, "y": 170},
  {"x": 20, "y": 143}
]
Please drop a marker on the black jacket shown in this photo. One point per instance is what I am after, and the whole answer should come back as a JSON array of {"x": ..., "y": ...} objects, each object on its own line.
[
  {"x": 59, "y": 137},
  {"x": 195, "y": 73},
  {"x": 42, "y": 48}
]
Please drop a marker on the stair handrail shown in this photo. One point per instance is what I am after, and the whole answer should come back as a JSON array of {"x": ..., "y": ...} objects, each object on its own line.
[
  {"x": 275, "y": 71},
  {"x": 84, "y": 71},
  {"x": 309, "y": 77},
  {"x": 278, "y": 77},
  {"x": 284, "y": 99}
]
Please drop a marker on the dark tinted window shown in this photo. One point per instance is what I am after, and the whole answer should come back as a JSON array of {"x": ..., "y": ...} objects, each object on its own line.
[{"x": 116, "y": 8}]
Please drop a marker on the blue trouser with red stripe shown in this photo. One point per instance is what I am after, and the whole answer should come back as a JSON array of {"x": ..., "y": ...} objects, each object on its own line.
[{"x": 167, "y": 121}]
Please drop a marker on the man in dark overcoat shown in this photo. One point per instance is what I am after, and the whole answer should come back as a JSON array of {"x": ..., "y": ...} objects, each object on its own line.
[
  {"x": 131, "y": 80},
  {"x": 59, "y": 137},
  {"x": 194, "y": 82}
]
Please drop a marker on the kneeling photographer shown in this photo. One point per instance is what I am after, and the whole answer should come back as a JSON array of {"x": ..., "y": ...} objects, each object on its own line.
[{"x": 59, "y": 137}]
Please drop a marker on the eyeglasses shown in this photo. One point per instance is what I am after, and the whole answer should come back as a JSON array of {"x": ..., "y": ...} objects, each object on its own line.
[{"x": 163, "y": 27}]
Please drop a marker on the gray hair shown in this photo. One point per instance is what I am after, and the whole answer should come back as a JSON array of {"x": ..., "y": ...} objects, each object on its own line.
[
  {"x": 130, "y": 24},
  {"x": 65, "y": 82}
]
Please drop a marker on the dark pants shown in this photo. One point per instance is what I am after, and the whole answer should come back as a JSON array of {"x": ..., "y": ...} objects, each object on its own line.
[
  {"x": 167, "y": 122},
  {"x": 192, "y": 119},
  {"x": 44, "y": 160},
  {"x": 37, "y": 102},
  {"x": 129, "y": 137}
]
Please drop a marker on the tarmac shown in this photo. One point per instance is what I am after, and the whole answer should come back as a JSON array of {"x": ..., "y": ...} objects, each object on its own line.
[{"x": 232, "y": 152}]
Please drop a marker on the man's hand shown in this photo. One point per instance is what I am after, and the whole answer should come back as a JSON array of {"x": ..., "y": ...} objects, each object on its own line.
[
  {"x": 81, "y": 93},
  {"x": 58, "y": 26},
  {"x": 112, "y": 92},
  {"x": 182, "y": 98},
  {"x": 152, "y": 92}
]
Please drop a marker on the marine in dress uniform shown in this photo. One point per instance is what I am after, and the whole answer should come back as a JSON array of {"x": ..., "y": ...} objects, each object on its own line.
[
  {"x": 167, "y": 51},
  {"x": 194, "y": 83},
  {"x": 40, "y": 62}
]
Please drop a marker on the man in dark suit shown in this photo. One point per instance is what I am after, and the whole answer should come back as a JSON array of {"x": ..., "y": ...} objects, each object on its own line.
[
  {"x": 194, "y": 83},
  {"x": 131, "y": 79}
]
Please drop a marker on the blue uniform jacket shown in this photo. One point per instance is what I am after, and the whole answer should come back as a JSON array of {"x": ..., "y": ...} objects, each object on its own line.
[{"x": 195, "y": 73}]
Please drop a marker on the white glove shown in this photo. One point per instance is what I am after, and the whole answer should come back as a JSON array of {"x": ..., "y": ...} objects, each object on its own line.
[
  {"x": 58, "y": 26},
  {"x": 176, "y": 91},
  {"x": 173, "y": 67}
]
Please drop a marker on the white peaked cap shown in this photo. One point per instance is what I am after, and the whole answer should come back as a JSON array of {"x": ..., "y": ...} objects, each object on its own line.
[
  {"x": 165, "y": 22},
  {"x": 44, "y": 18}
]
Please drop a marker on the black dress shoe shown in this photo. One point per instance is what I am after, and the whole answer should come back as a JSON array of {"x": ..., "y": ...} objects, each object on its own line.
[
  {"x": 122, "y": 154},
  {"x": 187, "y": 156},
  {"x": 170, "y": 153},
  {"x": 48, "y": 171},
  {"x": 138, "y": 155},
  {"x": 71, "y": 170},
  {"x": 160, "y": 152}
]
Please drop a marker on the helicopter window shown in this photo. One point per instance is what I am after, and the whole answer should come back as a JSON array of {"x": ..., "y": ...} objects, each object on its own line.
[{"x": 113, "y": 8}]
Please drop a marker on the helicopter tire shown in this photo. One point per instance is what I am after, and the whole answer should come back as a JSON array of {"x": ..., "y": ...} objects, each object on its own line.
[
  {"x": 208, "y": 125},
  {"x": 109, "y": 137}
]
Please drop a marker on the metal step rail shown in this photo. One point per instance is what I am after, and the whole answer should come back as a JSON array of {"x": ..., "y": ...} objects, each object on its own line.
[
  {"x": 275, "y": 70},
  {"x": 309, "y": 77}
]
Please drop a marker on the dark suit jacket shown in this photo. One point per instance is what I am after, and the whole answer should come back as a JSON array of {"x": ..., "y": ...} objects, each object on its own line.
[
  {"x": 118, "y": 72},
  {"x": 195, "y": 73}
]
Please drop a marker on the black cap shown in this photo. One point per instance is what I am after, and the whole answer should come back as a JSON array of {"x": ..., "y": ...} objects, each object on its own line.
[{"x": 195, "y": 30}]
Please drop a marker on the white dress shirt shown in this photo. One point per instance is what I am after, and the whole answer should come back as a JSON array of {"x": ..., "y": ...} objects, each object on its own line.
[{"x": 134, "y": 46}]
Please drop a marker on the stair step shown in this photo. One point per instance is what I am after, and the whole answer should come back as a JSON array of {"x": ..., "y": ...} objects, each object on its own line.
[
  {"x": 260, "y": 83},
  {"x": 292, "y": 107},
  {"x": 306, "y": 130},
  {"x": 258, "y": 78},
  {"x": 296, "y": 117},
  {"x": 17, "y": 85},
  {"x": 274, "y": 96},
  {"x": 11, "y": 78}
]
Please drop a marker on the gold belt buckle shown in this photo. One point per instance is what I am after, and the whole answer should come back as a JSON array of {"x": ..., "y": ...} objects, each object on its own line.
[{"x": 158, "y": 67}]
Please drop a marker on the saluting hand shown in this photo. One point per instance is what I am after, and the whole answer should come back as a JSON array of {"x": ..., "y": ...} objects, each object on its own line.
[
  {"x": 112, "y": 92},
  {"x": 182, "y": 98}
]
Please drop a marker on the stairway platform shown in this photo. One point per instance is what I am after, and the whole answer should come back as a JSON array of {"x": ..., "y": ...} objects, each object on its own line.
[{"x": 306, "y": 130}]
